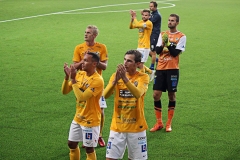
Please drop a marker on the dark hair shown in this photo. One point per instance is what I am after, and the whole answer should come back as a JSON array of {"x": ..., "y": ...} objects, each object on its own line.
[
  {"x": 95, "y": 56},
  {"x": 175, "y": 15},
  {"x": 136, "y": 53},
  {"x": 154, "y": 3},
  {"x": 146, "y": 10}
]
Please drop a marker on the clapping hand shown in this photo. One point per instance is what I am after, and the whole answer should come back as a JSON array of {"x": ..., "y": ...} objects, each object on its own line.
[
  {"x": 165, "y": 39},
  {"x": 73, "y": 72},
  {"x": 67, "y": 71}
]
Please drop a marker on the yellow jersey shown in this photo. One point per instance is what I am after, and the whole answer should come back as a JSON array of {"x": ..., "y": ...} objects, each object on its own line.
[
  {"x": 98, "y": 48},
  {"x": 144, "y": 32},
  {"x": 88, "y": 113},
  {"x": 128, "y": 115}
]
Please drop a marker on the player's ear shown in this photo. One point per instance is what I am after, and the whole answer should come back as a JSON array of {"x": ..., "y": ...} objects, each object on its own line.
[
  {"x": 138, "y": 64},
  {"x": 95, "y": 63}
]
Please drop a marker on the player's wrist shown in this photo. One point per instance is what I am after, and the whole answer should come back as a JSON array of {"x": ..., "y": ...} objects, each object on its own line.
[
  {"x": 125, "y": 80},
  {"x": 66, "y": 78},
  {"x": 73, "y": 81}
]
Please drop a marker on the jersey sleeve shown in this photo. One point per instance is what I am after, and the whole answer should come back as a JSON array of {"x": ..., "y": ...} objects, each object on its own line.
[
  {"x": 141, "y": 88},
  {"x": 76, "y": 55},
  {"x": 108, "y": 91},
  {"x": 182, "y": 43},
  {"x": 66, "y": 86},
  {"x": 104, "y": 53},
  {"x": 81, "y": 96},
  {"x": 96, "y": 86},
  {"x": 149, "y": 25},
  {"x": 159, "y": 42},
  {"x": 136, "y": 24}
]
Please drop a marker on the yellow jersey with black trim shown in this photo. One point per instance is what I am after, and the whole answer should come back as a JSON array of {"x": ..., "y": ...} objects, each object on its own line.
[
  {"x": 128, "y": 115},
  {"x": 98, "y": 48},
  {"x": 144, "y": 32}
]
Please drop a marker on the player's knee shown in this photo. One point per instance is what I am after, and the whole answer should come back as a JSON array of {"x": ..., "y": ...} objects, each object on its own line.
[
  {"x": 156, "y": 96},
  {"x": 172, "y": 96},
  {"x": 89, "y": 149},
  {"x": 72, "y": 145}
]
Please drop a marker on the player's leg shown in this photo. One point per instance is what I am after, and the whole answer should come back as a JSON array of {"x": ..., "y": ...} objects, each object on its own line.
[
  {"x": 103, "y": 105},
  {"x": 137, "y": 145},
  {"x": 153, "y": 54},
  {"x": 153, "y": 41},
  {"x": 143, "y": 68},
  {"x": 90, "y": 137},
  {"x": 75, "y": 136},
  {"x": 116, "y": 146},
  {"x": 173, "y": 77},
  {"x": 159, "y": 86}
]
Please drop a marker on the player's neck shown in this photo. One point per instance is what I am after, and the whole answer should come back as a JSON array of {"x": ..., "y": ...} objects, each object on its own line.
[
  {"x": 89, "y": 73},
  {"x": 90, "y": 43},
  {"x": 131, "y": 73},
  {"x": 174, "y": 30}
]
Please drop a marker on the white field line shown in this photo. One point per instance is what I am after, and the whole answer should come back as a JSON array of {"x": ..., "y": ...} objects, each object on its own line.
[{"x": 81, "y": 9}]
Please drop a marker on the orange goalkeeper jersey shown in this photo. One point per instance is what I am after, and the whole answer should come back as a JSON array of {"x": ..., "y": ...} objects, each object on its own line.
[
  {"x": 165, "y": 60},
  {"x": 99, "y": 48},
  {"x": 144, "y": 32},
  {"x": 88, "y": 113},
  {"x": 128, "y": 115}
]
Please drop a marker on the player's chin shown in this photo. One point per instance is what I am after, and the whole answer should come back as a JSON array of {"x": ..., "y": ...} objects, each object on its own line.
[{"x": 83, "y": 68}]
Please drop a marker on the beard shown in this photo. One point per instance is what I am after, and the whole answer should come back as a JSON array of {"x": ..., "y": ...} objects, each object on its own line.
[{"x": 171, "y": 27}]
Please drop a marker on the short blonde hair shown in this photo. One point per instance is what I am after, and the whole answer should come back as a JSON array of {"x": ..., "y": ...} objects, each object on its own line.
[{"x": 94, "y": 29}]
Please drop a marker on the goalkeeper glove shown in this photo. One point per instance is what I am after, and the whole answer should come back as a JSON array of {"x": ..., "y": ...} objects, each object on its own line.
[{"x": 165, "y": 39}]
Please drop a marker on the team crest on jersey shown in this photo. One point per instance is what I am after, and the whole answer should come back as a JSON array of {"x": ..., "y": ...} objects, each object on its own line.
[
  {"x": 141, "y": 30},
  {"x": 88, "y": 136},
  {"x": 136, "y": 83}
]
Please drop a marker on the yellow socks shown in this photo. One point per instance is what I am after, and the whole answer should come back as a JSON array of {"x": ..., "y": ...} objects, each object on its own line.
[
  {"x": 74, "y": 154},
  {"x": 91, "y": 156}
]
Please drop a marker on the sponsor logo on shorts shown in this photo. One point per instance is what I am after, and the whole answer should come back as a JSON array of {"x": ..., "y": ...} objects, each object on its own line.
[
  {"x": 140, "y": 138},
  {"x": 144, "y": 148},
  {"x": 87, "y": 130},
  {"x": 109, "y": 145},
  {"x": 174, "y": 83},
  {"x": 89, "y": 136}
]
